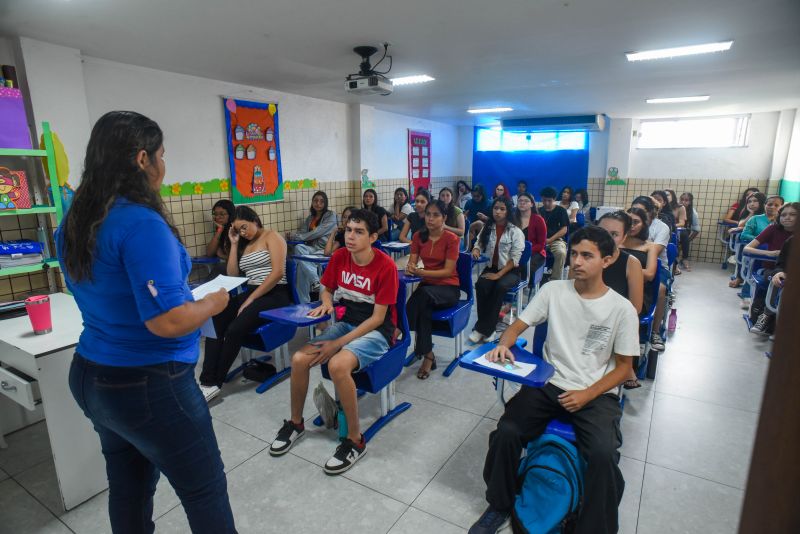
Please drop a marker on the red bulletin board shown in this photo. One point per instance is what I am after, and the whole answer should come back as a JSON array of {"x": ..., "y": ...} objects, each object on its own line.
[
  {"x": 253, "y": 151},
  {"x": 419, "y": 160}
]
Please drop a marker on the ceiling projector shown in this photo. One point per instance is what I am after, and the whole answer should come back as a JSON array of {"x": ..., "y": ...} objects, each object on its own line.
[{"x": 368, "y": 81}]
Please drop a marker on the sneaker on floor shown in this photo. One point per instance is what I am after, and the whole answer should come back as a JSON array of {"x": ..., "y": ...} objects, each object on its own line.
[
  {"x": 347, "y": 454},
  {"x": 476, "y": 337},
  {"x": 209, "y": 392},
  {"x": 286, "y": 438},
  {"x": 760, "y": 326},
  {"x": 494, "y": 337},
  {"x": 745, "y": 303},
  {"x": 489, "y": 522},
  {"x": 657, "y": 342}
]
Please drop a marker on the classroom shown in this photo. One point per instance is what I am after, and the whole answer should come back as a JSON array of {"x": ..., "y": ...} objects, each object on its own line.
[{"x": 531, "y": 255}]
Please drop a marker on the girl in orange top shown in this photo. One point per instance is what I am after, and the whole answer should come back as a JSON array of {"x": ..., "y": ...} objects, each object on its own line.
[{"x": 439, "y": 288}]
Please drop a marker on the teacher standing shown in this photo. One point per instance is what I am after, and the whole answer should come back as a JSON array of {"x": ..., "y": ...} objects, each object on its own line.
[{"x": 133, "y": 370}]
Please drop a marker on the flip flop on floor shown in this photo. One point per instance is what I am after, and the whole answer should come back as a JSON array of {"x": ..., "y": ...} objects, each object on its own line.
[
  {"x": 422, "y": 374},
  {"x": 631, "y": 384}
]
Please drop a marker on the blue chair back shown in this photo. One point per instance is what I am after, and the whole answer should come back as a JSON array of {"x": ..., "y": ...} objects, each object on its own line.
[
  {"x": 464, "y": 269},
  {"x": 539, "y": 336},
  {"x": 593, "y": 214},
  {"x": 647, "y": 317},
  {"x": 580, "y": 218},
  {"x": 378, "y": 245},
  {"x": 525, "y": 259},
  {"x": 291, "y": 279},
  {"x": 672, "y": 254}
]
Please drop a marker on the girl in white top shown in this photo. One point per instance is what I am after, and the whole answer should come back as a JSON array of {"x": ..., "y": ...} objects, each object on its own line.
[
  {"x": 569, "y": 204},
  {"x": 502, "y": 242},
  {"x": 463, "y": 193}
]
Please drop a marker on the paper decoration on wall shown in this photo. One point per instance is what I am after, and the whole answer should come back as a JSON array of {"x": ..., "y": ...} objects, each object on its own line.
[
  {"x": 62, "y": 171},
  {"x": 217, "y": 185},
  {"x": 14, "y": 192},
  {"x": 255, "y": 164},
  {"x": 419, "y": 167},
  {"x": 613, "y": 177},
  {"x": 366, "y": 183},
  {"x": 297, "y": 185}
]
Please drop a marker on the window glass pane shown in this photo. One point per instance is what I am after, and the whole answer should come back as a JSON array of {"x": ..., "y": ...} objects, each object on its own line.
[
  {"x": 514, "y": 141},
  {"x": 488, "y": 139},
  {"x": 544, "y": 141},
  {"x": 571, "y": 140},
  {"x": 694, "y": 133}
]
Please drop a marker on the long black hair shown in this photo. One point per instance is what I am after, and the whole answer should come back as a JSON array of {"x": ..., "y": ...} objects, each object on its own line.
[
  {"x": 245, "y": 213},
  {"x": 762, "y": 200},
  {"x": 111, "y": 171},
  {"x": 673, "y": 199},
  {"x": 324, "y": 196},
  {"x": 487, "y": 229},
  {"x": 644, "y": 233},
  {"x": 230, "y": 209},
  {"x": 394, "y": 201},
  {"x": 689, "y": 210},
  {"x": 450, "y": 217},
  {"x": 737, "y": 213},
  {"x": 517, "y": 218},
  {"x": 424, "y": 233},
  {"x": 584, "y": 196},
  {"x": 375, "y": 204}
]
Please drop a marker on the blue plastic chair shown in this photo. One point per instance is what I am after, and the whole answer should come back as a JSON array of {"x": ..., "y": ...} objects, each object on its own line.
[
  {"x": 455, "y": 318},
  {"x": 592, "y": 214},
  {"x": 580, "y": 219},
  {"x": 379, "y": 376},
  {"x": 516, "y": 291},
  {"x": 272, "y": 337},
  {"x": 648, "y": 361}
]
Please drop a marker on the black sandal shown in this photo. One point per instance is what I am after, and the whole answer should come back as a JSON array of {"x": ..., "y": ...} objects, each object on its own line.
[
  {"x": 633, "y": 383},
  {"x": 422, "y": 374}
]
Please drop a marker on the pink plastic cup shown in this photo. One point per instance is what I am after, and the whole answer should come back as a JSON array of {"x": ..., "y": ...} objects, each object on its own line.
[{"x": 38, "y": 308}]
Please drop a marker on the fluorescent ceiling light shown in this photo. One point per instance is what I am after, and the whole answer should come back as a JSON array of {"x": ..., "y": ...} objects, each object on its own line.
[
  {"x": 679, "y": 51},
  {"x": 677, "y": 99},
  {"x": 489, "y": 110},
  {"x": 408, "y": 80}
]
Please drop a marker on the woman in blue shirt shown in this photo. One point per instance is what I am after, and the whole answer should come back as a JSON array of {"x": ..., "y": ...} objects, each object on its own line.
[{"x": 133, "y": 369}]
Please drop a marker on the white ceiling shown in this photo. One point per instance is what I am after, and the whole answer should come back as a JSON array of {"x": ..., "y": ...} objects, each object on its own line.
[{"x": 541, "y": 57}]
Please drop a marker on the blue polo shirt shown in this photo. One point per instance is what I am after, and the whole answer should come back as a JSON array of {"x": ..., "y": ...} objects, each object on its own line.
[{"x": 139, "y": 272}]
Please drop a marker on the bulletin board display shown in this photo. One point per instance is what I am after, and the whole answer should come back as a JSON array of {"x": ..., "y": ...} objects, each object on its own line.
[
  {"x": 419, "y": 160},
  {"x": 253, "y": 151}
]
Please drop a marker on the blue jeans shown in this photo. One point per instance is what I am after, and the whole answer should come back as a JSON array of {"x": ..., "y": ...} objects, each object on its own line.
[
  {"x": 307, "y": 273},
  {"x": 154, "y": 420},
  {"x": 368, "y": 348}
]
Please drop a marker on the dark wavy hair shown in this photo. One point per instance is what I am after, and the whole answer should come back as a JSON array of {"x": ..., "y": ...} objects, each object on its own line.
[
  {"x": 450, "y": 217},
  {"x": 644, "y": 233},
  {"x": 689, "y": 210},
  {"x": 571, "y": 193},
  {"x": 619, "y": 216},
  {"x": 673, "y": 200},
  {"x": 230, "y": 209},
  {"x": 424, "y": 233},
  {"x": 487, "y": 229},
  {"x": 664, "y": 200},
  {"x": 324, "y": 196},
  {"x": 369, "y": 219},
  {"x": 517, "y": 218},
  {"x": 478, "y": 188},
  {"x": 737, "y": 213},
  {"x": 110, "y": 172},
  {"x": 403, "y": 189},
  {"x": 584, "y": 196},
  {"x": 245, "y": 213},
  {"x": 649, "y": 207},
  {"x": 375, "y": 205},
  {"x": 762, "y": 200}
]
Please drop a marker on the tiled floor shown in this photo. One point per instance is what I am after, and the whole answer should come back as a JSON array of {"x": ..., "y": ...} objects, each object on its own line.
[{"x": 687, "y": 443}]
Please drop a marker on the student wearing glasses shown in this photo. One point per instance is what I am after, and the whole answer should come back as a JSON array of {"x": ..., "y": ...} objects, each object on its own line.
[
  {"x": 222, "y": 215},
  {"x": 259, "y": 254}
]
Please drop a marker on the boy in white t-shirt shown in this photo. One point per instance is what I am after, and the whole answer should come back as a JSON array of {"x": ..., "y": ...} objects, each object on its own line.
[{"x": 592, "y": 336}]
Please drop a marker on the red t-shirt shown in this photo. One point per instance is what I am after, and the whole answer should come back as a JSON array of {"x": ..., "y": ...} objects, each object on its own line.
[
  {"x": 774, "y": 236},
  {"x": 361, "y": 287},
  {"x": 537, "y": 234},
  {"x": 434, "y": 255}
]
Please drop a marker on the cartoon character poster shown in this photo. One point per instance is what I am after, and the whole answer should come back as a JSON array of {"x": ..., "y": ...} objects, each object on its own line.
[
  {"x": 253, "y": 151},
  {"x": 419, "y": 160}
]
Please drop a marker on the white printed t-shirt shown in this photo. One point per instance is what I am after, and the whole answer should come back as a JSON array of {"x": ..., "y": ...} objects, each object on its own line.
[
  {"x": 583, "y": 334},
  {"x": 659, "y": 234}
]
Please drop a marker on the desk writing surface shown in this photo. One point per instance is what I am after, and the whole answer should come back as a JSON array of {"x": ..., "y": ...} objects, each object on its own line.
[{"x": 67, "y": 328}]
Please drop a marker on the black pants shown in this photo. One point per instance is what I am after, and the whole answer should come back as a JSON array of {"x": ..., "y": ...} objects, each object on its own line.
[
  {"x": 232, "y": 329},
  {"x": 683, "y": 238},
  {"x": 597, "y": 431},
  {"x": 489, "y": 295},
  {"x": 420, "y": 308}
]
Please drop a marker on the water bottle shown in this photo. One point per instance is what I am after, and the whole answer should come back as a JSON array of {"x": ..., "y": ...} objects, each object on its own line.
[
  {"x": 673, "y": 320},
  {"x": 341, "y": 422}
]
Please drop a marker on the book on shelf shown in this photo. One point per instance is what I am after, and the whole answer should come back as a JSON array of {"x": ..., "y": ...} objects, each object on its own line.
[{"x": 20, "y": 252}]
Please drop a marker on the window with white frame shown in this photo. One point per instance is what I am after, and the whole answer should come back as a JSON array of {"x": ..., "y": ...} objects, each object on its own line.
[
  {"x": 709, "y": 132},
  {"x": 497, "y": 140}
]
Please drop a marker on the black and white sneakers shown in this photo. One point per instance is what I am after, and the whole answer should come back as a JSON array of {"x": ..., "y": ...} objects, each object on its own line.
[
  {"x": 347, "y": 454},
  {"x": 286, "y": 438}
]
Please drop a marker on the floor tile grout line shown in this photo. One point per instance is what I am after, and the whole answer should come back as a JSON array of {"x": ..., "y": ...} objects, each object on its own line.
[
  {"x": 694, "y": 476},
  {"x": 707, "y": 402},
  {"x": 408, "y": 506},
  {"x": 446, "y": 405},
  {"x": 43, "y": 505}
]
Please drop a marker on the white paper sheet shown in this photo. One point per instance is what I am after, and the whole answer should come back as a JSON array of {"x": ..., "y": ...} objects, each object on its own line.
[
  {"x": 220, "y": 282},
  {"x": 520, "y": 369}
]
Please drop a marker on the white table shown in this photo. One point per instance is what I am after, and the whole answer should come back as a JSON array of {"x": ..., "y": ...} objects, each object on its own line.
[{"x": 80, "y": 466}]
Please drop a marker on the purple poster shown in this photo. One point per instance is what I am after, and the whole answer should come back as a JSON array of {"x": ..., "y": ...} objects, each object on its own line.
[{"x": 13, "y": 123}]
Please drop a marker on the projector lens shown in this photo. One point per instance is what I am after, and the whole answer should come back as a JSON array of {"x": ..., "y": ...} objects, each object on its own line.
[{"x": 353, "y": 85}]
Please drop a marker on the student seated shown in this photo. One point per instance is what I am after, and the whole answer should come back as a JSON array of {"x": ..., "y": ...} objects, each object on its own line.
[
  {"x": 463, "y": 194},
  {"x": 259, "y": 254},
  {"x": 365, "y": 279},
  {"x": 754, "y": 207},
  {"x": 478, "y": 210},
  {"x": 503, "y": 242},
  {"x": 735, "y": 211},
  {"x": 533, "y": 227},
  {"x": 222, "y": 214},
  {"x": 557, "y": 220},
  {"x": 584, "y": 208},
  {"x": 438, "y": 250},
  {"x": 659, "y": 236},
  {"x": 592, "y": 336},
  {"x": 415, "y": 221},
  {"x": 314, "y": 232},
  {"x": 692, "y": 229},
  {"x": 370, "y": 203},
  {"x": 765, "y": 319},
  {"x": 454, "y": 217},
  {"x": 664, "y": 211},
  {"x": 336, "y": 239},
  {"x": 522, "y": 187},
  {"x": 568, "y": 203},
  {"x": 400, "y": 210}
]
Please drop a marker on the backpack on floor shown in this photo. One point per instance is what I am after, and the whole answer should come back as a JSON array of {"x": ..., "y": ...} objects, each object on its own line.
[
  {"x": 258, "y": 371},
  {"x": 549, "y": 487}
]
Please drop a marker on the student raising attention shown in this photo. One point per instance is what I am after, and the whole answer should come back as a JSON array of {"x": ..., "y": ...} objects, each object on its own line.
[
  {"x": 503, "y": 242},
  {"x": 438, "y": 250},
  {"x": 259, "y": 254}
]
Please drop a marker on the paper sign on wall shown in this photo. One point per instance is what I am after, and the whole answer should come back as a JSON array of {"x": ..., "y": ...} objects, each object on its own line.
[{"x": 419, "y": 175}]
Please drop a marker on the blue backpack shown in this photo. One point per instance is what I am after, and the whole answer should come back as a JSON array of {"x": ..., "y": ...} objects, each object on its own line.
[{"x": 549, "y": 487}]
